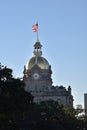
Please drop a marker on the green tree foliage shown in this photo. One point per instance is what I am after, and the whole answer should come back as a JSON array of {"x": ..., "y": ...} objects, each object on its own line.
[
  {"x": 55, "y": 116},
  {"x": 14, "y": 101}
]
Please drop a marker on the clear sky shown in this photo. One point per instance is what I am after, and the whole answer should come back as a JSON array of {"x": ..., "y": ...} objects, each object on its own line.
[{"x": 62, "y": 32}]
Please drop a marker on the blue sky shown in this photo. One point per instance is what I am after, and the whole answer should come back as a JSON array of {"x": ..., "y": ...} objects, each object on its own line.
[{"x": 62, "y": 32}]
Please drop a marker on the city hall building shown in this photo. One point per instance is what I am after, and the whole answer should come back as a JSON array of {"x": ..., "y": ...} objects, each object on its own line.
[{"x": 38, "y": 80}]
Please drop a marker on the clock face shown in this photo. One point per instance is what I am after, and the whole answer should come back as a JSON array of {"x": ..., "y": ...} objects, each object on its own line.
[{"x": 35, "y": 75}]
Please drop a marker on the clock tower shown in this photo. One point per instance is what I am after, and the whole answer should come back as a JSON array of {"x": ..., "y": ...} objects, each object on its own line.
[{"x": 37, "y": 73}]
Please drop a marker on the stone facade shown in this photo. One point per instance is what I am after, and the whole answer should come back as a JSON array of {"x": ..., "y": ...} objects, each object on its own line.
[{"x": 37, "y": 77}]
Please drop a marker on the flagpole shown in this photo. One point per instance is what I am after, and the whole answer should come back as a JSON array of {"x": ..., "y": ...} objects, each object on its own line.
[
  {"x": 37, "y": 31},
  {"x": 37, "y": 35}
]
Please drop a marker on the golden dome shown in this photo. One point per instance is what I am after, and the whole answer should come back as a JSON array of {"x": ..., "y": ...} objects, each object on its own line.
[{"x": 40, "y": 61}]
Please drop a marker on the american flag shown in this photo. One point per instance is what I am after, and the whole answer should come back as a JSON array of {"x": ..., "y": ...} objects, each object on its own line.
[{"x": 35, "y": 27}]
